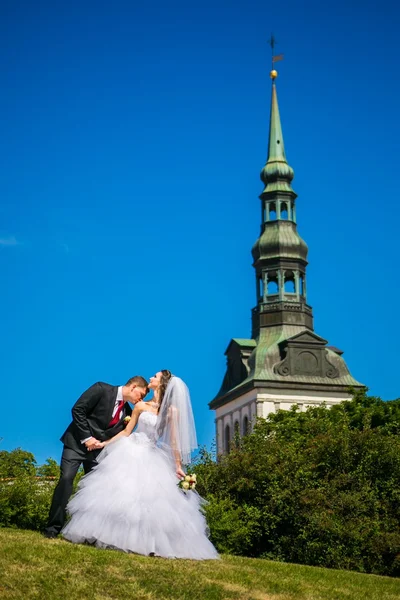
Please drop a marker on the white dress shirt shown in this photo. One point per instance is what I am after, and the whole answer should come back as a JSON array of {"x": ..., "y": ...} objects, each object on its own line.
[{"x": 117, "y": 401}]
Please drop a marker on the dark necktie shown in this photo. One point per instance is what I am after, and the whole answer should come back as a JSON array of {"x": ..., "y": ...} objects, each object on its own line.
[{"x": 117, "y": 415}]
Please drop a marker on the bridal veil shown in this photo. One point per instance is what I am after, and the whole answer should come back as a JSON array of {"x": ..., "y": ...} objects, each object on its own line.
[{"x": 175, "y": 428}]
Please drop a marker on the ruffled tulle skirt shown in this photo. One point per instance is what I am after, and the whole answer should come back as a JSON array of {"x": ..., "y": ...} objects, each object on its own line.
[{"x": 130, "y": 501}]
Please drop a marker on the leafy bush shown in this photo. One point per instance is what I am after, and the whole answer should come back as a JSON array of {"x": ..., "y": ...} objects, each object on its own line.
[
  {"x": 233, "y": 526},
  {"x": 17, "y": 462},
  {"x": 50, "y": 468},
  {"x": 319, "y": 487},
  {"x": 25, "y": 502},
  {"x": 26, "y": 489}
]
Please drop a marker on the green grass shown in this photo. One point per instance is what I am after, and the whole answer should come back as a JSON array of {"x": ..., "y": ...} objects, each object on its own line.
[{"x": 34, "y": 567}]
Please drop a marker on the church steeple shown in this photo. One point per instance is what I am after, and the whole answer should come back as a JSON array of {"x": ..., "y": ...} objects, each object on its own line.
[
  {"x": 284, "y": 363},
  {"x": 280, "y": 255}
]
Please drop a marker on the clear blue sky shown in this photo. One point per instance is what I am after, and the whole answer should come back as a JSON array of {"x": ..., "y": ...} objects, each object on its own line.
[{"x": 132, "y": 137}]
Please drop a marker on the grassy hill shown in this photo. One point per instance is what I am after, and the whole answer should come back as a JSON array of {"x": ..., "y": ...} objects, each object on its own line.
[{"x": 32, "y": 567}]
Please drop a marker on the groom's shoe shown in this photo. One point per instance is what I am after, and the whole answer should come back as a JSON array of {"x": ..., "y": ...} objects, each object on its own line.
[{"x": 51, "y": 535}]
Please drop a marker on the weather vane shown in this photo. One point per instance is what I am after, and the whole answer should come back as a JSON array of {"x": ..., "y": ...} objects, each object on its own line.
[{"x": 275, "y": 58}]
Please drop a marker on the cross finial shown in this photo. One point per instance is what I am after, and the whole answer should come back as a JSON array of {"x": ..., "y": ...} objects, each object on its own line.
[
  {"x": 274, "y": 57},
  {"x": 272, "y": 42}
]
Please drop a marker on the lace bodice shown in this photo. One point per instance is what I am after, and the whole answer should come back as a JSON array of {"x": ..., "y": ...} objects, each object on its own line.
[{"x": 147, "y": 424}]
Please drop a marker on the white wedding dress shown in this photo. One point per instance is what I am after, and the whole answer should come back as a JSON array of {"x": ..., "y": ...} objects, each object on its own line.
[{"x": 131, "y": 501}]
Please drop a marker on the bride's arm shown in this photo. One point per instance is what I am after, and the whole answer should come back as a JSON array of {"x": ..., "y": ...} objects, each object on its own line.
[
  {"x": 173, "y": 417},
  {"x": 130, "y": 427}
]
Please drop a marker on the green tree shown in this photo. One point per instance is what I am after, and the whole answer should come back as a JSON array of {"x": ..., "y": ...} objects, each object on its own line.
[
  {"x": 16, "y": 463},
  {"x": 321, "y": 485},
  {"x": 49, "y": 469}
]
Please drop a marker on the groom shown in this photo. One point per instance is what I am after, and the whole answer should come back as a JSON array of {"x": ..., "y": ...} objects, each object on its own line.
[{"x": 97, "y": 416}]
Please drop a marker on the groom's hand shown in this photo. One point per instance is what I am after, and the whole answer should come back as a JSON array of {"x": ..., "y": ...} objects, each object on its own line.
[{"x": 91, "y": 443}]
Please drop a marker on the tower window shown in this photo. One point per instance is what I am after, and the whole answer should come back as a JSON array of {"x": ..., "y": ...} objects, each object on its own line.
[
  {"x": 245, "y": 425},
  {"x": 290, "y": 287},
  {"x": 284, "y": 211},
  {"x": 272, "y": 211},
  {"x": 227, "y": 440},
  {"x": 273, "y": 287}
]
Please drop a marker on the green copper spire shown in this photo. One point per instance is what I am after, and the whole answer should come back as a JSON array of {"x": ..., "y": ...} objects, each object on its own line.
[
  {"x": 277, "y": 174},
  {"x": 280, "y": 254},
  {"x": 276, "y": 149}
]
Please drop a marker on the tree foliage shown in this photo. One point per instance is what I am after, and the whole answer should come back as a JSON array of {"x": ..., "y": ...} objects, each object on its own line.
[
  {"x": 320, "y": 487},
  {"x": 50, "y": 468},
  {"x": 25, "y": 502},
  {"x": 16, "y": 463},
  {"x": 25, "y": 489}
]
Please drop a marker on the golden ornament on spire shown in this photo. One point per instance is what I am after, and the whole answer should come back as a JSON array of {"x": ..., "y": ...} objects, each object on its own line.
[{"x": 273, "y": 74}]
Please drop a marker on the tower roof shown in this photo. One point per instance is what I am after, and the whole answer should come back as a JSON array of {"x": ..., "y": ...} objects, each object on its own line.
[
  {"x": 276, "y": 149},
  {"x": 276, "y": 174}
]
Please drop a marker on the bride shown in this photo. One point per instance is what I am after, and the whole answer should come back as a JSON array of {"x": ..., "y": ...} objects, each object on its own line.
[{"x": 131, "y": 500}]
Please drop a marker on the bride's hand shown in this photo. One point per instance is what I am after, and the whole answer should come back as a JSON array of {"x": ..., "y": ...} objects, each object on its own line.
[{"x": 180, "y": 473}]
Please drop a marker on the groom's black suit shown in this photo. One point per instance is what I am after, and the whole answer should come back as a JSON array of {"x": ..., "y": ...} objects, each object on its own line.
[{"x": 91, "y": 415}]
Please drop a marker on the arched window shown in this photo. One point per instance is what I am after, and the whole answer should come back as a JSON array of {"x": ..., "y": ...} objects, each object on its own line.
[
  {"x": 272, "y": 211},
  {"x": 290, "y": 287},
  {"x": 245, "y": 425},
  {"x": 227, "y": 441},
  {"x": 284, "y": 211},
  {"x": 273, "y": 287}
]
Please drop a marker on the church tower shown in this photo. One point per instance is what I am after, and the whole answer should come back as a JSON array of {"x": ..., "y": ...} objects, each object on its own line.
[{"x": 285, "y": 362}]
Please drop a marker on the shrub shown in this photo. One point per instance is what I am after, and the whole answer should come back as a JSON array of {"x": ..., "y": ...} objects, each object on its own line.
[
  {"x": 319, "y": 487},
  {"x": 234, "y": 529},
  {"x": 25, "y": 502},
  {"x": 17, "y": 462},
  {"x": 26, "y": 489}
]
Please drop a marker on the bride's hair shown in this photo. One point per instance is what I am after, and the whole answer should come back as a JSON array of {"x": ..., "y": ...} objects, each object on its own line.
[{"x": 165, "y": 377}]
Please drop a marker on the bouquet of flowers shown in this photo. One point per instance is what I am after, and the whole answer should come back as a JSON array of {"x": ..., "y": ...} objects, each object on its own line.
[
  {"x": 188, "y": 482},
  {"x": 126, "y": 420}
]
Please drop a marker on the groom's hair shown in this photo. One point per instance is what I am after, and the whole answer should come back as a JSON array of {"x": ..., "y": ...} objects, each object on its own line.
[{"x": 139, "y": 381}]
